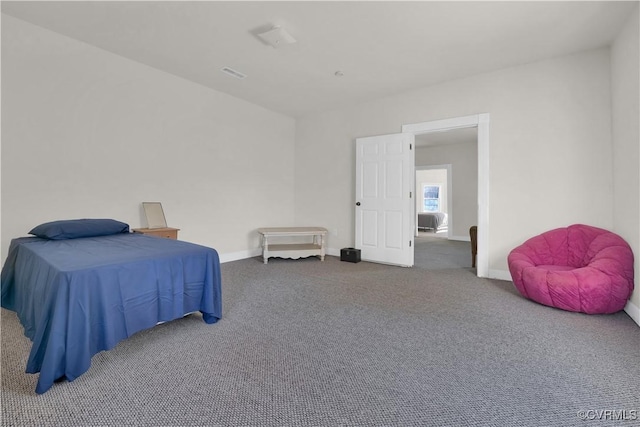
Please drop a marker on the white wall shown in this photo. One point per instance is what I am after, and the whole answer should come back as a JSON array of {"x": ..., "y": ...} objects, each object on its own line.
[
  {"x": 463, "y": 158},
  {"x": 625, "y": 91},
  {"x": 86, "y": 133},
  {"x": 550, "y": 148}
]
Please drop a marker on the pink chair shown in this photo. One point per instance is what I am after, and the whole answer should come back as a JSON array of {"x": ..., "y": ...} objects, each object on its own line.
[{"x": 577, "y": 268}]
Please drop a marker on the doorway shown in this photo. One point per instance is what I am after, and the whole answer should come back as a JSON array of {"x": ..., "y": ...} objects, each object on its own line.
[
  {"x": 481, "y": 123},
  {"x": 434, "y": 198}
]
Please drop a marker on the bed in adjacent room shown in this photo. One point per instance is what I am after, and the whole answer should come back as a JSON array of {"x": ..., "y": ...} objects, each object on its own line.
[
  {"x": 78, "y": 293},
  {"x": 432, "y": 220}
]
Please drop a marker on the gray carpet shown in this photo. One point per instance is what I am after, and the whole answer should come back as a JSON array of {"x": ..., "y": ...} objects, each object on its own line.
[
  {"x": 435, "y": 253},
  {"x": 310, "y": 343}
]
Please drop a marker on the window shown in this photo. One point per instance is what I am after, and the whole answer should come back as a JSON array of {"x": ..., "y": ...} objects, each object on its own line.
[{"x": 431, "y": 198}]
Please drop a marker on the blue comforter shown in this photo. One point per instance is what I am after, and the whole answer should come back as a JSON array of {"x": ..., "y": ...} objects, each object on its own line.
[{"x": 78, "y": 297}]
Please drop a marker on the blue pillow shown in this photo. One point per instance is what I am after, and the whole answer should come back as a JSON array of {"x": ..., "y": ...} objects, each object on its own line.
[{"x": 74, "y": 228}]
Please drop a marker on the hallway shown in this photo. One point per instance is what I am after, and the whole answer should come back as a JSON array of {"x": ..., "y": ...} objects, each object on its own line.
[{"x": 437, "y": 253}]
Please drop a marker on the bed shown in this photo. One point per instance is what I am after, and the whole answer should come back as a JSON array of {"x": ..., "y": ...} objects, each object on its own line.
[
  {"x": 76, "y": 297},
  {"x": 432, "y": 220}
]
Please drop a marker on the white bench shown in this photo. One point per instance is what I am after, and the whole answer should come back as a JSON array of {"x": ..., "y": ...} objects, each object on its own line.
[{"x": 293, "y": 250}]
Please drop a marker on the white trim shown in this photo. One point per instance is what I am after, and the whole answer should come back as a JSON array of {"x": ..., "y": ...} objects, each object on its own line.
[
  {"x": 481, "y": 121},
  {"x": 253, "y": 253},
  {"x": 443, "y": 125},
  {"x": 483, "y": 195},
  {"x": 333, "y": 252},
  {"x": 236, "y": 256},
  {"x": 500, "y": 275},
  {"x": 633, "y": 311}
]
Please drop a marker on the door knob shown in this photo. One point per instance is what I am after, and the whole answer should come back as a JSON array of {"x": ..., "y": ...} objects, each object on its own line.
[{"x": 357, "y": 203}]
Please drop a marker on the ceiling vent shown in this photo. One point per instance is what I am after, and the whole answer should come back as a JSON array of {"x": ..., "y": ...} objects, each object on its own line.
[
  {"x": 277, "y": 37},
  {"x": 233, "y": 73}
]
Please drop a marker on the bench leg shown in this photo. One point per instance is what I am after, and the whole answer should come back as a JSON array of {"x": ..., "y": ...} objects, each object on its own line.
[{"x": 265, "y": 249}]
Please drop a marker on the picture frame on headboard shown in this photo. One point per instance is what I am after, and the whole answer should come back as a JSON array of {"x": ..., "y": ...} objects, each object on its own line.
[{"x": 155, "y": 215}]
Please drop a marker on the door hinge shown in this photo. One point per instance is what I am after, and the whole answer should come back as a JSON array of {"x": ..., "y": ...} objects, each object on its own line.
[
  {"x": 410, "y": 194},
  {"x": 409, "y": 243},
  {"x": 410, "y": 146}
]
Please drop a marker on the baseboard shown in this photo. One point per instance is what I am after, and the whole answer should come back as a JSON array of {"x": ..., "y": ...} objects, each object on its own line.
[
  {"x": 633, "y": 311},
  {"x": 236, "y": 256},
  {"x": 332, "y": 252},
  {"x": 500, "y": 275}
]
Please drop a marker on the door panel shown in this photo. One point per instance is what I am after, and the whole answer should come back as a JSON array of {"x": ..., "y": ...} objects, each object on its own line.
[
  {"x": 384, "y": 200},
  {"x": 370, "y": 180},
  {"x": 393, "y": 185},
  {"x": 369, "y": 226},
  {"x": 392, "y": 223}
]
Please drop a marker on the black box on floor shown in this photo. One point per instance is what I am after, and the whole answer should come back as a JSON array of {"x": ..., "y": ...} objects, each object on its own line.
[{"x": 350, "y": 255}]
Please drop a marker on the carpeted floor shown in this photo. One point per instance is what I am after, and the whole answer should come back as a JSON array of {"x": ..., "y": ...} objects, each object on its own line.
[
  {"x": 435, "y": 252},
  {"x": 310, "y": 343}
]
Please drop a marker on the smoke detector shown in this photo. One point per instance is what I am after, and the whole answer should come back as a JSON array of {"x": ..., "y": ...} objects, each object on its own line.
[{"x": 277, "y": 37}]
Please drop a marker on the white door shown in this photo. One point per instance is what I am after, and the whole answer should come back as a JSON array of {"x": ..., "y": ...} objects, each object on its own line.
[{"x": 385, "y": 171}]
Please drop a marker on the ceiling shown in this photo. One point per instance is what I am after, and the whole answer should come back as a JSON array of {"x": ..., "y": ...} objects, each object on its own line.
[
  {"x": 454, "y": 136},
  {"x": 381, "y": 48}
]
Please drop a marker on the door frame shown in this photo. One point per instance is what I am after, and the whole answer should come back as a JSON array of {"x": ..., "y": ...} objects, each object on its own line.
[
  {"x": 448, "y": 167},
  {"x": 480, "y": 121}
]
